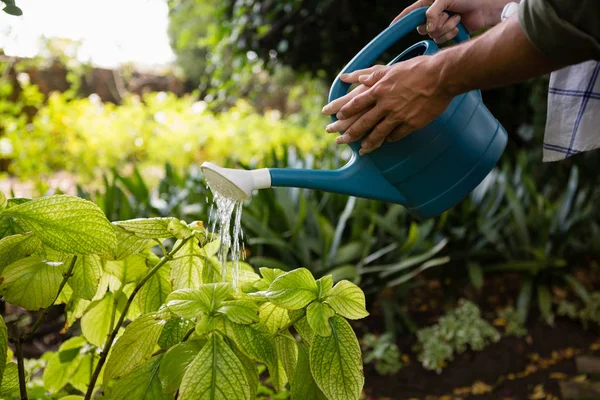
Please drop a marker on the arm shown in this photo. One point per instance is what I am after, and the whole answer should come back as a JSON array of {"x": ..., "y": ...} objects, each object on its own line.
[{"x": 501, "y": 57}]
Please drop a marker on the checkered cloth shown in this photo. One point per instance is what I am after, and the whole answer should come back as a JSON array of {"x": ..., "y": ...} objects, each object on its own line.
[{"x": 573, "y": 122}]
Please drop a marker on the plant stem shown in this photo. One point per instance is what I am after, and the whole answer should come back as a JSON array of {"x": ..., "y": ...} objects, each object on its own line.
[
  {"x": 288, "y": 326},
  {"x": 21, "y": 368},
  {"x": 40, "y": 319},
  {"x": 162, "y": 247},
  {"x": 114, "y": 332}
]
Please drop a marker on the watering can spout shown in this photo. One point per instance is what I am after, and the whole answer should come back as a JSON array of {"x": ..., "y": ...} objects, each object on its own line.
[{"x": 358, "y": 178}]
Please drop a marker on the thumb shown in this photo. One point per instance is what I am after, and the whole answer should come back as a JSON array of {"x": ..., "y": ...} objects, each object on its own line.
[
  {"x": 434, "y": 13},
  {"x": 373, "y": 78}
]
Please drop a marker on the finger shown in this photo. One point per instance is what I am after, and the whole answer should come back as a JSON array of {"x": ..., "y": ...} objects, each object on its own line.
[
  {"x": 358, "y": 104},
  {"x": 443, "y": 18},
  {"x": 373, "y": 78},
  {"x": 342, "y": 125},
  {"x": 422, "y": 29},
  {"x": 335, "y": 106},
  {"x": 377, "y": 136},
  {"x": 448, "y": 36},
  {"x": 399, "y": 133},
  {"x": 434, "y": 13},
  {"x": 412, "y": 7},
  {"x": 447, "y": 28},
  {"x": 363, "y": 125},
  {"x": 353, "y": 76}
]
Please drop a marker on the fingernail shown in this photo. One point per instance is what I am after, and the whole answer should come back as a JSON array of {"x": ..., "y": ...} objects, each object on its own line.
[
  {"x": 457, "y": 17},
  {"x": 329, "y": 128},
  {"x": 339, "y": 115},
  {"x": 342, "y": 139},
  {"x": 429, "y": 27}
]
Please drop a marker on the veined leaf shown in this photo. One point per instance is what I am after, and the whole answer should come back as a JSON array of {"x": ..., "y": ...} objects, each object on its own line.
[
  {"x": 348, "y": 300},
  {"x": 215, "y": 374},
  {"x": 31, "y": 282},
  {"x": 66, "y": 223},
  {"x": 148, "y": 228},
  {"x": 175, "y": 362},
  {"x": 250, "y": 368},
  {"x": 188, "y": 303},
  {"x": 318, "y": 315},
  {"x": 287, "y": 353},
  {"x": 174, "y": 331},
  {"x": 135, "y": 346},
  {"x": 63, "y": 364},
  {"x": 186, "y": 269},
  {"x": 335, "y": 362},
  {"x": 239, "y": 311},
  {"x": 155, "y": 292},
  {"x": 273, "y": 318},
  {"x": 304, "y": 330},
  {"x": 128, "y": 243},
  {"x": 141, "y": 384},
  {"x": 95, "y": 323},
  {"x": 131, "y": 269},
  {"x": 16, "y": 247},
  {"x": 3, "y": 348},
  {"x": 80, "y": 380},
  {"x": 10, "y": 380},
  {"x": 325, "y": 284},
  {"x": 86, "y": 276},
  {"x": 293, "y": 290},
  {"x": 302, "y": 383}
]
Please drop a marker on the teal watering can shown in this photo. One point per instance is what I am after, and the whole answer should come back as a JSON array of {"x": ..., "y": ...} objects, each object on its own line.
[{"x": 428, "y": 171}]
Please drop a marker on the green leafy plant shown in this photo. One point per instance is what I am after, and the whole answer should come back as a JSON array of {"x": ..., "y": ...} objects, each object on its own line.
[
  {"x": 455, "y": 332},
  {"x": 160, "y": 322},
  {"x": 587, "y": 313},
  {"x": 513, "y": 324},
  {"x": 382, "y": 352}
]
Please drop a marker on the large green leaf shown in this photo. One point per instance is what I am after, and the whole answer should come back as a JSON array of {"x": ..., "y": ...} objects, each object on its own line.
[
  {"x": 31, "y": 282},
  {"x": 141, "y": 384},
  {"x": 287, "y": 353},
  {"x": 155, "y": 291},
  {"x": 95, "y": 323},
  {"x": 3, "y": 347},
  {"x": 130, "y": 269},
  {"x": 251, "y": 369},
  {"x": 15, "y": 247},
  {"x": 207, "y": 298},
  {"x": 135, "y": 346},
  {"x": 318, "y": 315},
  {"x": 128, "y": 243},
  {"x": 216, "y": 373},
  {"x": 148, "y": 228},
  {"x": 80, "y": 380},
  {"x": 293, "y": 290},
  {"x": 186, "y": 269},
  {"x": 347, "y": 300},
  {"x": 174, "y": 331},
  {"x": 66, "y": 223},
  {"x": 86, "y": 276},
  {"x": 335, "y": 362},
  {"x": 302, "y": 383},
  {"x": 239, "y": 311},
  {"x": 63, "y": 364},
  {"x": 273, "y": 318},
  {"x": 10, "y": 380},
  {"x": 175, "y": 362}
]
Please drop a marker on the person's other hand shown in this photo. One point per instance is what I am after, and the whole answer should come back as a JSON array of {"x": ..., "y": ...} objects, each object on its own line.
[
  {"x": 441, "y": 27},
  {"x": 393, "y": 101}
]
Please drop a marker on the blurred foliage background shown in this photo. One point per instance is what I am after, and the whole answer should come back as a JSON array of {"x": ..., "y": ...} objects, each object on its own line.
[{"x": 256, "y": 74}]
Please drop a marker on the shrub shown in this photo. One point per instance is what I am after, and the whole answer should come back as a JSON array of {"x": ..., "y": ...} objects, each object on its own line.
[{"x": 156, "y": 317}]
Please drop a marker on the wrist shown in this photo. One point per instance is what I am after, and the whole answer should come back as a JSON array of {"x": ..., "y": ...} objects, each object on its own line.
[{"x": 447, "y": 65}]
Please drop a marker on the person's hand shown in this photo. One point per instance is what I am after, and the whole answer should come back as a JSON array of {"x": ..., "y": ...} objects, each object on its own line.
[
  {"x": 393, "y": 101},
  {"x": 441, "y": 27}
]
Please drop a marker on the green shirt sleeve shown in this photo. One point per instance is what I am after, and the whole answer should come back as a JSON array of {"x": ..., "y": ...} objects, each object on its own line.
[{"x": 566, "y": 31}]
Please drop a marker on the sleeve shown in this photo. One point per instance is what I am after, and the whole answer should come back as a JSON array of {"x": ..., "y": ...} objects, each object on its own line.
[{"x": 566, "y": 31}]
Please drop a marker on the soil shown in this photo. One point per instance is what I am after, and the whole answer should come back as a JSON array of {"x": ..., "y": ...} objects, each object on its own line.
[{"x": 514, "y": 368}]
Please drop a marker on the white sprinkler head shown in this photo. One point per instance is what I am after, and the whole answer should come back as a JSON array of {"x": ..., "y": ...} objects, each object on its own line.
[{"x": 235, "y": 184}]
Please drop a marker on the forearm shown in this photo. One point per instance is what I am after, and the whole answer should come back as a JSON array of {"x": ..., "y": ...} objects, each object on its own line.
[{"x": 502, "y": 56}]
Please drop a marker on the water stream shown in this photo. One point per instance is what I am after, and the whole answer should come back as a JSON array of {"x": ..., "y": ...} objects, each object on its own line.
[{"x": 220, "y": 218}]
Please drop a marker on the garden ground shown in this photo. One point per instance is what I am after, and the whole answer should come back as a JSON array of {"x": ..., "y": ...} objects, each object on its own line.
[{"x": 530, "y": 367}]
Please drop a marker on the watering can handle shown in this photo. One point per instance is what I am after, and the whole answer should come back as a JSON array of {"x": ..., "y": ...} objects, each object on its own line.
[{"x": 369, "y": 54}]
